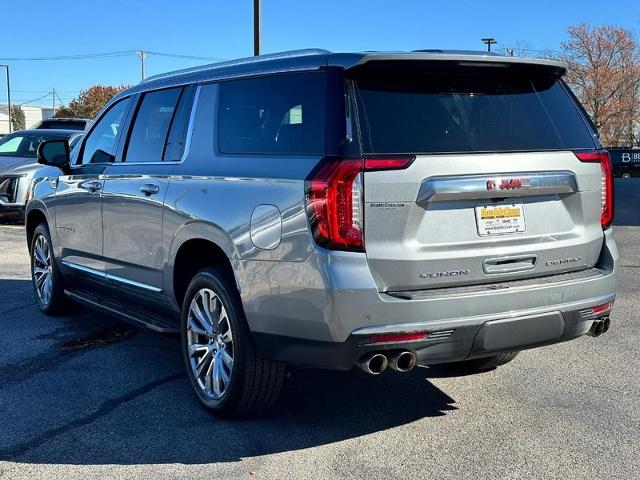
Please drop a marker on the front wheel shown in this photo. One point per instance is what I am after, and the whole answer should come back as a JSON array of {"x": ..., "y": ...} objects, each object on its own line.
[
  {"x": 48, "y": 283},
  {"x": 228, "y": 375}
]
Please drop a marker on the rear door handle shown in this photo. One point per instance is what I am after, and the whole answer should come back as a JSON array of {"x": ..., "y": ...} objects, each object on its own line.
[
  {"x": 149, "y": 189},
  {"x": 93, "y": 186}
]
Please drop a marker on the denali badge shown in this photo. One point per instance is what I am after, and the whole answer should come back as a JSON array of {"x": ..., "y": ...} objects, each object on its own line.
[
  {"x": 505, "y": 184},
  {"x": 450, "y": 273},
  {"x": 561, "y": 261}
]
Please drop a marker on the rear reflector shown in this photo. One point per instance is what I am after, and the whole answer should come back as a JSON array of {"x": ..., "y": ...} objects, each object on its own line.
[
  {"x": 606, "y": 202},
  {"x": 602, "y": 308},
  {"x": 398, "y": 337}
]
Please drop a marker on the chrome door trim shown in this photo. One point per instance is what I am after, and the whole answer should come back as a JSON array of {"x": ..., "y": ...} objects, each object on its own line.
[
  {"x": 84, "y": 269},
  {"x": 109, "y": 276},
  {"x": 500, "y": 185},
  {"x": 133, "y": 283}
]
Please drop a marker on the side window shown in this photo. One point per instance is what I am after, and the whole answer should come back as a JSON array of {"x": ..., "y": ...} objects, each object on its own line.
[
  {"x": 100, "y": 145},
  {"x": 151, "y": 125},
  {"x": 280, "y": 114}
]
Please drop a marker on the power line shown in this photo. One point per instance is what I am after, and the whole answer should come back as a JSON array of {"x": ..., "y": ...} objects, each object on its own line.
[
  {"x": 35, "y": 99},
  {"x": 83, "y": 56},
  {"x": 120, "y": 53}
]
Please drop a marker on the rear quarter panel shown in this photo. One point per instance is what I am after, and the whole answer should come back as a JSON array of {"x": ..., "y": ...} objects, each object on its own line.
[{"x": 213, "y": 196}]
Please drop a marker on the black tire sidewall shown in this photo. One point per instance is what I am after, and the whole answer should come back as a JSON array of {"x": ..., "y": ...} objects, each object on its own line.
[
  {"x": 57, "y": 289},
  {"x": 212, "y": 279}
]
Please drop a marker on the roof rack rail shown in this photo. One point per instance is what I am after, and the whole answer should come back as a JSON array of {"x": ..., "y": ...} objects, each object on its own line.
[{"x": 240, "y": 61}]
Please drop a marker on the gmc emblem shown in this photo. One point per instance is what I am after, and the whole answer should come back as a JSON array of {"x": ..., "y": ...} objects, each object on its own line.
[{"x": 505, "y": 184}]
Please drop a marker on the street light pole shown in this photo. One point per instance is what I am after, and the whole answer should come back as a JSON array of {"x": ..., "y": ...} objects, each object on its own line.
[
  {"x": 488, "y": 42},
  {"x": 8, "y": 97},
  {"x": 257, "y": 27}
]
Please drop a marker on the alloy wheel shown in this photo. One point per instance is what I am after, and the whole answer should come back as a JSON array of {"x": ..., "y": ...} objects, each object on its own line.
[
  {"x": 42, "y": 269},
  {"x": 210, "y": 344}
]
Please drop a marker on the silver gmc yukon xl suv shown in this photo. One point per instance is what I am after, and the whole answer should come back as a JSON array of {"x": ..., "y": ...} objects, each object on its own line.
[{"x": 331, "y": 210}]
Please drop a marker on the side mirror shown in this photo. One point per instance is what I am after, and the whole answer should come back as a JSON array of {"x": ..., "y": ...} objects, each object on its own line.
[{"x": 54, "y": 153}]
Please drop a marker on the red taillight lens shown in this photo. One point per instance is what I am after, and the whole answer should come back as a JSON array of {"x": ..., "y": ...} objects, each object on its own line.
[
  {"x": 334, "y": 199},
  {"x": 602, "y": 157},
  {"x": 334, "y": 205},
  {"x": 388, "y": 163}
]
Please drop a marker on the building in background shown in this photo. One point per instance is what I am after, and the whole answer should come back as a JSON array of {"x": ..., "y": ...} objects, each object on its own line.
[{"x": 32, "y": 115}]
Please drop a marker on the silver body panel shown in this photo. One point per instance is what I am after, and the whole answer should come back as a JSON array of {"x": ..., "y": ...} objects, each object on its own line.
[{"x": 253, "y": 209}]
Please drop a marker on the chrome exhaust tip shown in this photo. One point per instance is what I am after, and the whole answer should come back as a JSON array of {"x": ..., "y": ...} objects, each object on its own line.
[
  {"x": 403, "y": 361},
  {"x": 373, "y": 363},
  {"x": 599, "y": 326}
]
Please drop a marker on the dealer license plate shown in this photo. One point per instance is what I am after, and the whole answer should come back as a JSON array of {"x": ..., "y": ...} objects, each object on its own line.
[{"x": 500, "y": 219}]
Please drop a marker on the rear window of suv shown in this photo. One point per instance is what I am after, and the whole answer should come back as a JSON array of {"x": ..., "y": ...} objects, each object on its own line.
[{"x": 469, "y": 110}]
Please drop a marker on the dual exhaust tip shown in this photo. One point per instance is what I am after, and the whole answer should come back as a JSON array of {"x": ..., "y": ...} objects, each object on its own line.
[
  {"x": 599, "y": 326},
  {"x": 375, "y": 363}
]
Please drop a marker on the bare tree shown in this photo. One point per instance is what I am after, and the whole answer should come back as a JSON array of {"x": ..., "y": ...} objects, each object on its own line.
[{"x": 604, "y": 73}]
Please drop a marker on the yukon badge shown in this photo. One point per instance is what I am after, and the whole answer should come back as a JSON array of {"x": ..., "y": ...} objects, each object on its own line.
[
  {"x": 505, "y": 184},
  {"x": 450, "y": 273}
]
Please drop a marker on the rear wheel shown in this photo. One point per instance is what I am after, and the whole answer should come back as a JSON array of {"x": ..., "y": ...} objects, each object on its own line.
[
  {"x": 48, "y": 283},
  {"x": 228, "y": 375}
]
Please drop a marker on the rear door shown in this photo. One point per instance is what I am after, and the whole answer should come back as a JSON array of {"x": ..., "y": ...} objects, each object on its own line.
[
  {"x": 135, "y": 188},
  {"x": 495, "y": 191}
]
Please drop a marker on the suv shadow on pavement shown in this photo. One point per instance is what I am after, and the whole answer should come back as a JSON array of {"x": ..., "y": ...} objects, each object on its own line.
[{"x": 79, "y": 398}]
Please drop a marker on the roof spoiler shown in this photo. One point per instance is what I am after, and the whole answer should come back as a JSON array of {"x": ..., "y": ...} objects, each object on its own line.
[{"x": 462, "y": 59}]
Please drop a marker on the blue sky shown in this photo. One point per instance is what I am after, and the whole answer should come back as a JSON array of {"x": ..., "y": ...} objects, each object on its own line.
[{"x": 223, "y": 29}]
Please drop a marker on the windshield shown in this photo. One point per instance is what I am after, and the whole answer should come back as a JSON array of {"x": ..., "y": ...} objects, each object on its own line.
[
  {"x": 23, "y": 144},
  {"x": 467, "y": 111}
]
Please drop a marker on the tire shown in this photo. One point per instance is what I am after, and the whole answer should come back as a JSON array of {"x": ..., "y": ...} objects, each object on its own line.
[
  {"x": 48, "y": 283},
  {"x": 246, "y": 386},
  {"x": 481, "y": 364}
]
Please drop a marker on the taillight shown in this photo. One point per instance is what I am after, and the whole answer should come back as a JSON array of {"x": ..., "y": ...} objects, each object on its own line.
[
  {"x": 334, "y": 199},
  {"x": 606, "y": 202}
]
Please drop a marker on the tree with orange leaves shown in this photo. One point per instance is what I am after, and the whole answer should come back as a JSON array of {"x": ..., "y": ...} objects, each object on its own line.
[{"x": 604, "y": 73}]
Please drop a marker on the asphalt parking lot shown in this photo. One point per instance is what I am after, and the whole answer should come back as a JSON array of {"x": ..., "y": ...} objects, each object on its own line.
[{"x": 87, "y": 396}]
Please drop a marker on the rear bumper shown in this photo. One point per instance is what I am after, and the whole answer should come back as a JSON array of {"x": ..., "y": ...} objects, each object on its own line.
[
  {"x": 451, "y": 341},
  {"x": 332, "y": 305}
]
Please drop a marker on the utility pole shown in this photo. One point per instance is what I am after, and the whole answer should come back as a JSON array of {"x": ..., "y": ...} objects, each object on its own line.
[
  {"x": 488, "y": 42},
  {"x": 257, "y": 27},
  {"x": 53, "y": 98},
  {"x": 8, "y": 97},
  {"x": 142, "y": 55}
]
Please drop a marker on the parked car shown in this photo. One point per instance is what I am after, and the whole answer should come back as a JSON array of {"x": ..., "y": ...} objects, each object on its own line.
[
  {"x": 18, "y": 167},
  {"x": 331, "y": 210},
  {"x": 62, "y": 124},
  {"x": 625, "y": 162}
]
